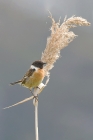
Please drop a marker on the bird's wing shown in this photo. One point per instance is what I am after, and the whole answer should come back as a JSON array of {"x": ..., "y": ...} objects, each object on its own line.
[{"x": 27, "y": 75}]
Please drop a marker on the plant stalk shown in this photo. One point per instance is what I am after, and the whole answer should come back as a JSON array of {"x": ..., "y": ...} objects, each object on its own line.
[{"x": 36, "y": 121}]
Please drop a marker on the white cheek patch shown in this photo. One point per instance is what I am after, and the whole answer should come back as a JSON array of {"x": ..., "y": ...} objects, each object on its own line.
[{"x": 33, "y": 67}]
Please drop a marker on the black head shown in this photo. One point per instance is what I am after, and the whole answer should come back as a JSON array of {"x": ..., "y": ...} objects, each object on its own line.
[{"x": 38, "y": 64}]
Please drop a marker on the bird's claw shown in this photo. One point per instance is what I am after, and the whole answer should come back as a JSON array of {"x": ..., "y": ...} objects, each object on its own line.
[{"x": 34, "y": 97}]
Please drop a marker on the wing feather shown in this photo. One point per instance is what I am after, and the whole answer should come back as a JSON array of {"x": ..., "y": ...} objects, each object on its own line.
[{"x": 27, "y": 75}]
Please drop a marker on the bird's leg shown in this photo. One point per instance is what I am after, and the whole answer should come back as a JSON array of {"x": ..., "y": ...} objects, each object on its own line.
[
  {"x": 36, "y": 97},
  {"x": 38, "y": 87}
]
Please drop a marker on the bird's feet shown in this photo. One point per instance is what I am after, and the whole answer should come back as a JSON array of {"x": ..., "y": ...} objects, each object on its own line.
[{"x": 34, "y": 97}]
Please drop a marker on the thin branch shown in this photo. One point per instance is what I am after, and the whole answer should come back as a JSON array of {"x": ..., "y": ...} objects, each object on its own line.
[
  {"x": 36, "y": 122},
  {"x": 21, "y": 102}
]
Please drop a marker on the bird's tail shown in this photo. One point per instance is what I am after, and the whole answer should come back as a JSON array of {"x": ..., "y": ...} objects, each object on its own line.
[{"x": 17, "y": 82}]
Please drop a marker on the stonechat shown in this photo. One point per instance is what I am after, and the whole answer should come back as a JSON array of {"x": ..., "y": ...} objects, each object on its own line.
[{"x": 33, "y": 77}]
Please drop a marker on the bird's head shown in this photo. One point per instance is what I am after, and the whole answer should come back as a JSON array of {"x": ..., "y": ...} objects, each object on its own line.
[{"x": 37, "y": 64}]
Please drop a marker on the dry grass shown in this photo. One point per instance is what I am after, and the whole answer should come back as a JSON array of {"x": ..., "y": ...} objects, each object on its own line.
[{"x": 60, "y": 37}]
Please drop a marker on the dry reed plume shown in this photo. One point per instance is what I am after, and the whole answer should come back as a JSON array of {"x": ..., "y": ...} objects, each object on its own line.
[{"x": 60, "y": 38}]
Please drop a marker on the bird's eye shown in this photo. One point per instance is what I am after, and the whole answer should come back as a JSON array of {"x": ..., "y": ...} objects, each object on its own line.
[{"x": 33, "y": 69}]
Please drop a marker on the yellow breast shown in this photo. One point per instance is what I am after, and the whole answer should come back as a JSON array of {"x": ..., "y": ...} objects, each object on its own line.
[{"x": 35, "y": 79}]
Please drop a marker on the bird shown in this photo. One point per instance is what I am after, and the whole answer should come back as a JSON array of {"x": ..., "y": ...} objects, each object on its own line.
[{"x": 33, "y": 77}]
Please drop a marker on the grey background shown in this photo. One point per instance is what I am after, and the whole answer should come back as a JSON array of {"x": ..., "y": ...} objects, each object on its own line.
[{"x": 66, "y": 104}]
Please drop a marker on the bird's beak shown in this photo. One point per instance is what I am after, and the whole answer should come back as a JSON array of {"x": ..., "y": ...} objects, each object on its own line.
[{"x": 44, "y": 63}]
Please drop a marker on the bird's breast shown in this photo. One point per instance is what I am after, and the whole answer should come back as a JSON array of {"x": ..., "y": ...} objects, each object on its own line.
[{"x": 35, "y": 79}]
